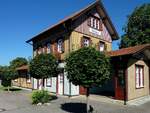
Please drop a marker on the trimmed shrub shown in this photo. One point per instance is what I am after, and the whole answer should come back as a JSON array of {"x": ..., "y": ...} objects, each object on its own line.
[{"x": 40, "y": 97}]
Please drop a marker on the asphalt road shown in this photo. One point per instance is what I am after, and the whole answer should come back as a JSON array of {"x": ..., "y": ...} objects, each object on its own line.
[{"x": 20, "y": 102}]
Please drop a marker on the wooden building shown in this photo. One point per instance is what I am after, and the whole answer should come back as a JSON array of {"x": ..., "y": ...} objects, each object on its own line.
[
  {"x": 24, "y": 79},
  {"x": 92, "y": 26}
]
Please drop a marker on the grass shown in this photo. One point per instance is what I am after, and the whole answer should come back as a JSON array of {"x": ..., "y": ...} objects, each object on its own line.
[{"x": 12, "y": 89}]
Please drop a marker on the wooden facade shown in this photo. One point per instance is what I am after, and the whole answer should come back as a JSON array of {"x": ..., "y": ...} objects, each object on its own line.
[
  {"x": 24, "y": 79},
  {"x": 89, "y": 27}
]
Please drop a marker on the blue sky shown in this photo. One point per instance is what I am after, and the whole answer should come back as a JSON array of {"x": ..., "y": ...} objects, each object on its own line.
[{"x": 20, "y": 20}]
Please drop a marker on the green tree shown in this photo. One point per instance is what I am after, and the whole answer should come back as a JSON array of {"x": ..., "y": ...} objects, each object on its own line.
[
  {"x": 8, "y": 73},
  {"x": 88, "y": 67},
  {"x": 137, "y": 29},
  {"x": 43, "y": 66}
]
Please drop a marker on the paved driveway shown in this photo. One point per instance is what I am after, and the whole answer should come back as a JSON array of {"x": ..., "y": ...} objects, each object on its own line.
[{"x": 20, "y": 102}]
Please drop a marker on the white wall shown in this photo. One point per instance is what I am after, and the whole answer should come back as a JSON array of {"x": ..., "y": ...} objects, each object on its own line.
[
  {"x": 51, "y": 88},
  {"x": 69, "y": 86}
]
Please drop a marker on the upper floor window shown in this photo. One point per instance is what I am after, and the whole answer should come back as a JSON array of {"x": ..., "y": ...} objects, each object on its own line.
[
  {"x": 101, "y": 46},
  {"x": 86, "y": 42},
  {"x": 60, "y": 48},
  {"x": 139, "y": 76},
  {"x": 39, "y": 50},
  {"x": 95, "y": 23},
  {"x": 48, "y": 46}
]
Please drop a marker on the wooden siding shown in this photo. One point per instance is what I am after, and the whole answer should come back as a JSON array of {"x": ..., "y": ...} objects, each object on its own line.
[
  {"x": 81, "y": 25},
  {"x": 22, "y": 82}
]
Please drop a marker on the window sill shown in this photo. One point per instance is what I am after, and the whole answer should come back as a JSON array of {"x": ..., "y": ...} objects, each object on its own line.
[{"x": 140, "y": 87}]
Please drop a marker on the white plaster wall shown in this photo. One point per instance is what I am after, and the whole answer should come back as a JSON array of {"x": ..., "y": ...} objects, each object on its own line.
[
  {"x": 34, "y": 83},
  {"x": 66, "y": 85},
  {"x": 74, "y": 89},
  {"x": 51, "y": 88}
]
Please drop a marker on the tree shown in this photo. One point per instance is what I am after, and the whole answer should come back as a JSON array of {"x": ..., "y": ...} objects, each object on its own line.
[
  {"x": 9, "y": 73},
  {"x": 137, "y": 30},
  {"x": 43, "y": 66},
  {"x": 88, "y": 67}
]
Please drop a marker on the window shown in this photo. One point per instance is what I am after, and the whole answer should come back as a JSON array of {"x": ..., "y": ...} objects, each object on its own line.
[
  {"x": 34, "y": 53},
  {"x": 49, "y": 82},
  {"x": 86, "y": 42},
  {"x": 60, "y": 46},
  {"x": 48, "y": 47},
  {"x": 101, "y": 46},
  {"x": 95, "y": 23},
  {"x": 28, "y": 78},
  {"x": 139, "y": 76},
  {"x": 39, "y": 50}
]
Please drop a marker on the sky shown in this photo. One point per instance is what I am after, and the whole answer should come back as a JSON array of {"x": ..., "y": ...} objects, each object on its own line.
[{"x": 20, "y": 20}]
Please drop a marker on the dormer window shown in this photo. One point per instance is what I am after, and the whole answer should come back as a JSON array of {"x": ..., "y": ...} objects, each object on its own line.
[
  {"x": 95, "y": 23},
  {"x": 60, "y": 46},
  {"x": 48, "y": 47}
]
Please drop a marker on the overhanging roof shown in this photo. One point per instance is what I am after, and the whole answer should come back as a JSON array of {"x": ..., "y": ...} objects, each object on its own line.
[
  {"x": 129, "y": 50},
  {"x": 104, "y": 15}
]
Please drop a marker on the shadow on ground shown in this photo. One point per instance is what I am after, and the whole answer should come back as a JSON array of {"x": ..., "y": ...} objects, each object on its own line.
[
  {"x": 53, "y": 97},
  {"x": 12, "y": 89},
  {"x": 74, "y": 107}
]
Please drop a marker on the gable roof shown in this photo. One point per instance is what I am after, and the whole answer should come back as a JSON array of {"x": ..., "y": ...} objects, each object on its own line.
[
  {"x": 128, "y": 51},
  {"x": 104, "y": 15}
]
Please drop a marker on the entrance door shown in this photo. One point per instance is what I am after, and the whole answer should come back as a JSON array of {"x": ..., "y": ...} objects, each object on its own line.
[
  {"x": 60, "y": 84},
  {"x": 119, "y": 85}
]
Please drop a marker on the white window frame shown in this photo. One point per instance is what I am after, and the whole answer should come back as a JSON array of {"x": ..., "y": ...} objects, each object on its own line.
[
  {"x": 60, "y": 45},
  {"x": 28, "y": 78},
  {"x": 48, "y": 46},
  {"x": 39, "y": 50},
  {"x": 49, "y": 82},
  {"x": 139, "y": 76},
  {"x": 101, "y": 46},
  {"x": 86, "y": 42}
]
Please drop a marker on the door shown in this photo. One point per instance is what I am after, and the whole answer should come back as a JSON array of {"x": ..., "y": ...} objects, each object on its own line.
[
  {"x": 119, "y": 85},
  {"x": 60, "y": 84}
]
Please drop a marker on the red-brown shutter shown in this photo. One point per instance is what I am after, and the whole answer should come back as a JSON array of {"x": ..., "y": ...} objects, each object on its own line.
[
  {"x": 100, "y": 26},
  {"x": 55, "y": 47},
  {"x": 90, "y": 40},
  {"x": 97, "y": 46},
  {"x": 63, "y": 46},
  {"x": 89, "y": 21},
  {"x": 51, "y": 48},
  {"x": 45, "y": 49},
  {"x": 82, "y": 42}
]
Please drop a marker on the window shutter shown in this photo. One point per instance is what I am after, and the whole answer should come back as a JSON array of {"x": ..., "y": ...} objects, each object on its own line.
[
  {"x": 82, "y": 42},
  {"x": 63, "y": 46},
  {"x": 105, "y": 47},
  {"x": 45, "y": 49},
  {"x": 90, "y": 44},
  {"x": 89, "y": 21},
  {"x": 51, "y": 48},
  {"x": 97, "y": 46},
  {"x": 100, "y": 26},
  {"x": 55, "y": 47}
]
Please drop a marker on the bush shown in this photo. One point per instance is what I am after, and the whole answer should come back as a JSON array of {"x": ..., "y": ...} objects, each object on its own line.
[
  {"x": 40, "y": 97},
  {"x": 6, "y": 82}
]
